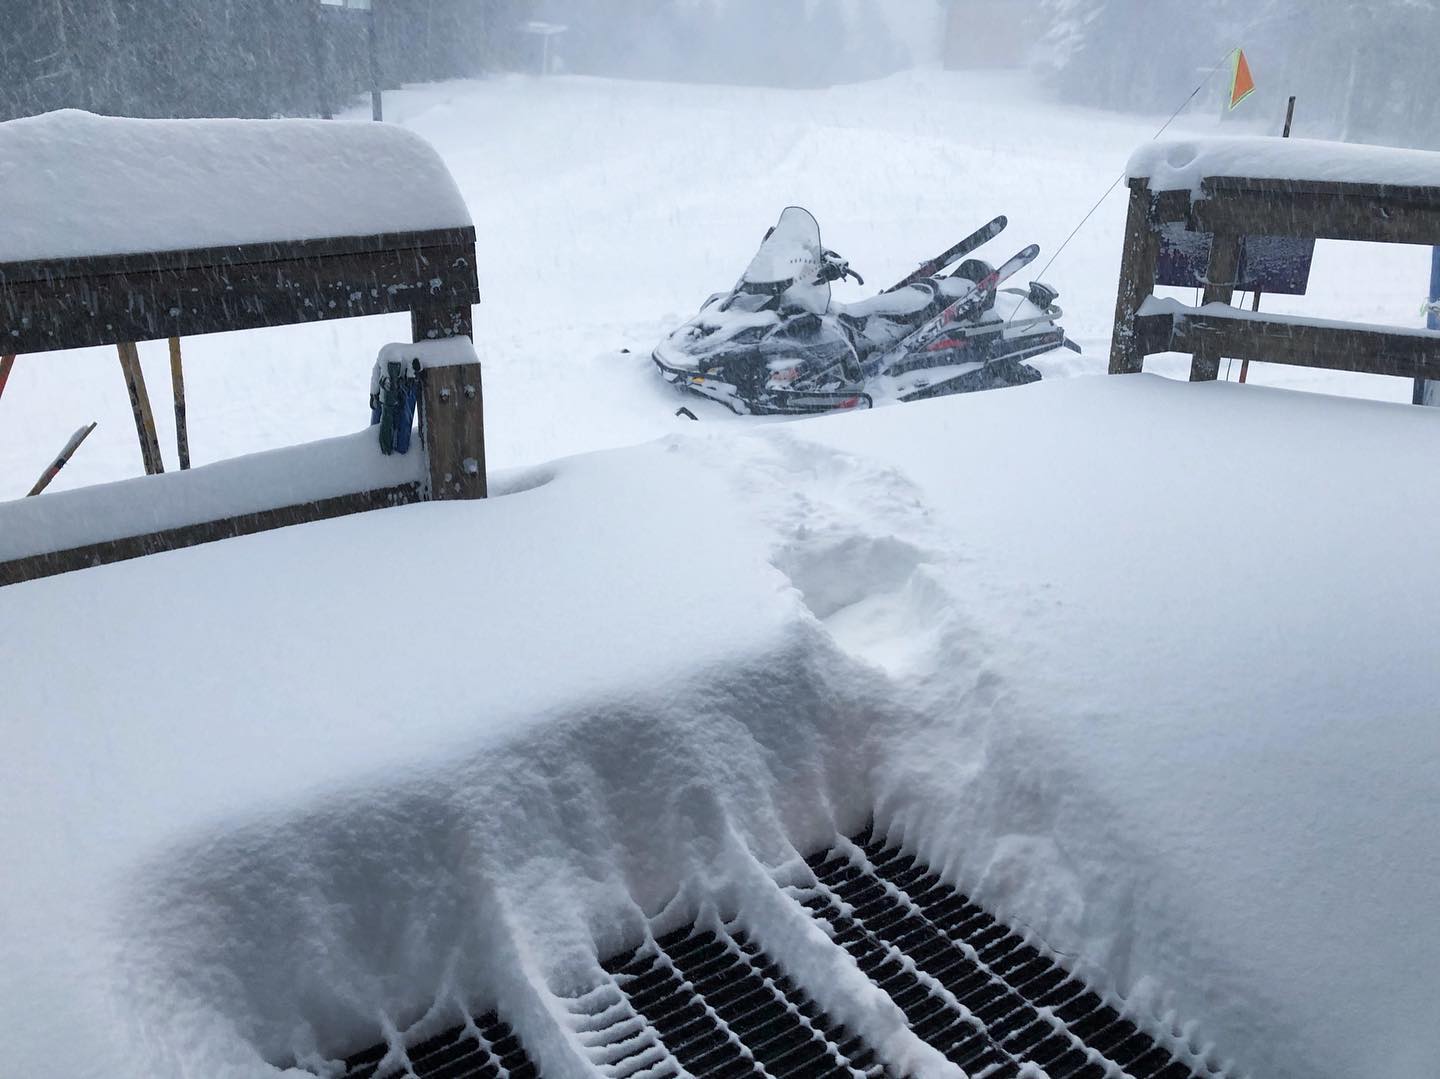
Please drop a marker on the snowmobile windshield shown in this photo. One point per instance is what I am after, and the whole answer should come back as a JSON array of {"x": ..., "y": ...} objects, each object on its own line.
[{"x": 788, "y": 265}]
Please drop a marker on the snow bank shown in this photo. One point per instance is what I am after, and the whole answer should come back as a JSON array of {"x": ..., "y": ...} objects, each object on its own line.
[
  {"x": 262, "y": 481},
  {"x": 1132, "y": 660},
  {"x": 1181, "y": 164},
  {"x": 74, "y": 184}
]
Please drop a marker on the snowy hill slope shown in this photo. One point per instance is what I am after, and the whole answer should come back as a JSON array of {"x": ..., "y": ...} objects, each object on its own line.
[
  {"x": 607, "y": 211},
  {"x": 1145, "y": 666}
]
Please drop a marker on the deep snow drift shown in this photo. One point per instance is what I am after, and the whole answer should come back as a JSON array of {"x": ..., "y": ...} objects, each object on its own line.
[{"x": 1129, "y": 658}]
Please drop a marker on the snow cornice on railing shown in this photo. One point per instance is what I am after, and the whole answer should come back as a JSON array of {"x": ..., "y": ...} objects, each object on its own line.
[{"x": 1231, "y": 193}]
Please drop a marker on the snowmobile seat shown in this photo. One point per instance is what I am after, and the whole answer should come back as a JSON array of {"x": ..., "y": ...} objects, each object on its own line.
[{"x": 910, "y": 301}]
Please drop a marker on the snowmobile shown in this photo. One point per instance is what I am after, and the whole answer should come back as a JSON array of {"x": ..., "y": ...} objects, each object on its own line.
[{"x": 778, "y": 343}]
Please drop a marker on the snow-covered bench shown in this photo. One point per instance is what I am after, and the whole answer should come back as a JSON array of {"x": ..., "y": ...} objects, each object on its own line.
[
  {"x": 1233, "y": 188},
  {"x": 116, "y": 231}
]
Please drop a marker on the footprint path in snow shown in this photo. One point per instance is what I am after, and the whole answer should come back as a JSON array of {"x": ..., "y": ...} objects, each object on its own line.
[{"x": 857, "y": 542}]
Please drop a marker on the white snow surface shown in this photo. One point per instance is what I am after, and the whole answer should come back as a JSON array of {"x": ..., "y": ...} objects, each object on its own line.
[
  {"x": 1146, "y": 666},
  {"x": 1182, "y": 164},
  {"x": 73, "y": 183},
  {"x": 1128, "y": 659}
]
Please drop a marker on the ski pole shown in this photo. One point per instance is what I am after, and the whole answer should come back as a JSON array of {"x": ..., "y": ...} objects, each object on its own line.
[
  {"x": 61, "y": 459},
  {"x": 140, "y": 406},
  {"x": 177, "y": 385},
  {"x": 6, "y": 362}
]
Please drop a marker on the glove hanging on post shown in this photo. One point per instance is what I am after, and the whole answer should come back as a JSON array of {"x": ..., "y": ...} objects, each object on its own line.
[{"x": 393, "y": 393}]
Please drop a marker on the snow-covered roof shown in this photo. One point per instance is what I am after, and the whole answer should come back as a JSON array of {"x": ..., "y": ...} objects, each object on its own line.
[
  {"x": 74, "y": 184},
  {"x": 1181, "y": 164},
  {"x": 1144, "y": 667}
]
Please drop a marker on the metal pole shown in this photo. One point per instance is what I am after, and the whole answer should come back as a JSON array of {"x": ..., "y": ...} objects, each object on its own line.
[
  {"x": 317, "y": 46},
  {"x": 377, "y": 111},
  {"x": 1289, "y": 120},
  {"x": 1427, "y": 391}
]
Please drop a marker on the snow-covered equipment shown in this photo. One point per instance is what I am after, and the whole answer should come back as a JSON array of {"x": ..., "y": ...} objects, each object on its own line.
[
  {"x": 779, "y": 343},
  {"x": 61, "y": 459}
]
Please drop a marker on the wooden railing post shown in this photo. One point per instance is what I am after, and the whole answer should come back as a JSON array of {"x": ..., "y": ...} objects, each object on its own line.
[
  {"x": 1220, "y": 280},
  {"x": 1137, "y": 280},
  {"x": 452, "y": 428}
]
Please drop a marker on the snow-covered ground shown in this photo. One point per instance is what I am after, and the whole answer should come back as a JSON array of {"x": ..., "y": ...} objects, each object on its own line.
[
  {"x": 607, "y": 211},
  {"x": 1149, "y": 667},
  {"x": 1146, "y": 666}
]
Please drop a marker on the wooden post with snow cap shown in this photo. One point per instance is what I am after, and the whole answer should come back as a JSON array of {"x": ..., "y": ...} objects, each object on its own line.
[
  {"x": 452, "y": 428},
  {"x": 1137, "y": 281},
  {"x": 452, "y": 413}
]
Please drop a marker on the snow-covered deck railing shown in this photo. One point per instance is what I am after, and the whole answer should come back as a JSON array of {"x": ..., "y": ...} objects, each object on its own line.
[
  {"x": 115, "y": 231},
  {"x": 118, "y": 230},
  {"x": 1236, "y": 188}
]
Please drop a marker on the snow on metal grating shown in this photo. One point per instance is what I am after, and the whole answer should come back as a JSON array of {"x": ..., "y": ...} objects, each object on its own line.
[
  {"x": 968, "y": 984},
  {"x": 481, "y": 1048},
  {"x": 707, "y": 1002},
  {"x": 724, "y": 1010}
]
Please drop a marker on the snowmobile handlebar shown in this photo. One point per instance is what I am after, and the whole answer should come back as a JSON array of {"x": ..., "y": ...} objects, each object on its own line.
[{"x": 836, "y": 268}]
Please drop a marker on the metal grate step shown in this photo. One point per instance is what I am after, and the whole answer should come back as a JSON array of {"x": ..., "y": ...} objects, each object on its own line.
[
  {"x": 484, "y": 1048},
  {"x": 708, "y": 1002},
  {"x": 968, "y": 984}
]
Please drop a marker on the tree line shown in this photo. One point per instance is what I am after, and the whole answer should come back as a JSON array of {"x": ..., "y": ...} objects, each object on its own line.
[
  {"x": 1361, "y": 71},
  {"x": 252, "y": 58},
  {"x": 262, "y": 58}
]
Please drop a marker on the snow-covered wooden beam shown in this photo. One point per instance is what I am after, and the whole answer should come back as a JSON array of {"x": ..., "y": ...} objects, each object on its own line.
[
  {"x": 1170, "y": 326},
  {"x": 52, "y": 304}
]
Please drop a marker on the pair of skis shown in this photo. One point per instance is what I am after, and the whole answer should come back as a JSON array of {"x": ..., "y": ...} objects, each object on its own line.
[
  {"x": 935, "y": 266},
  {"x": 972, "y": 303}
]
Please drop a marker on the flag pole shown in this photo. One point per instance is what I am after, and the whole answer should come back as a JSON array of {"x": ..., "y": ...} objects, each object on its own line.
[{"x": 1289, "y": 120}]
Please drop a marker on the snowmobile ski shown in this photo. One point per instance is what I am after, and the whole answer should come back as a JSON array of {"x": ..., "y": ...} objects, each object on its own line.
[{"x": 975, "y": 240}]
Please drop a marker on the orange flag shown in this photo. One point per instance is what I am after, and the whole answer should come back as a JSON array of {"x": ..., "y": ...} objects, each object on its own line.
[{"x": 1242, "y": 83}]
